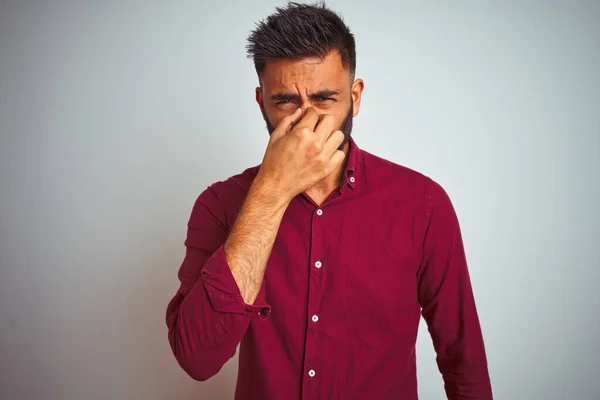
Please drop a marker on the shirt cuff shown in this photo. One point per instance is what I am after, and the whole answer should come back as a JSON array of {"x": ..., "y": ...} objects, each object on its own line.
[{"x": 224, "y": 293}]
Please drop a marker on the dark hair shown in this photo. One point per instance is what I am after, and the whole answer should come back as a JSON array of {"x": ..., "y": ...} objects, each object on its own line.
[{"x": 298, "y": 31}]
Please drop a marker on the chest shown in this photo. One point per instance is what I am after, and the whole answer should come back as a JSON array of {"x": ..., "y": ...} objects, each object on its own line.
[{"x": 346, "y": 261}]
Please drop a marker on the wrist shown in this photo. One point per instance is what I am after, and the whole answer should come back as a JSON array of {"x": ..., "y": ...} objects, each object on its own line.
[{"x": 269, "y": 193}]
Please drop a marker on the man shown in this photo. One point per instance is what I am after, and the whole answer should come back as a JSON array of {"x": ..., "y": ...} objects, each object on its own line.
[{"x": 320, "y": 261}]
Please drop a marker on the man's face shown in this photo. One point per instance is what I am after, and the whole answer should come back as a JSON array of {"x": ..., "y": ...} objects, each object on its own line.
[{"x": 310, "y": 82}]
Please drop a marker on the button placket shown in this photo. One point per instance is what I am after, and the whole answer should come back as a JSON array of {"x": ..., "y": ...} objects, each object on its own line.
[{"x": 312, "y": 345}]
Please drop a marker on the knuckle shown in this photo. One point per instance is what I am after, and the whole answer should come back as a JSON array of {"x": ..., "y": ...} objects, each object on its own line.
[
  {"x": 322, "y": 161},
  {"x": 316, "y": 146},
  {"x": 305, "y": 131}
]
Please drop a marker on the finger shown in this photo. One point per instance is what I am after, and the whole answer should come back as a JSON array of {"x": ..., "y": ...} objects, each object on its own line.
[
  {"x": 337, "y": 158},
  {"x": 309, "y": 120},
  {"x": 325, "y": 126},
  {"x": 296, "y": 117},
  {"x": 286, "y": 124},
  {"x": 334, "y": 140}
]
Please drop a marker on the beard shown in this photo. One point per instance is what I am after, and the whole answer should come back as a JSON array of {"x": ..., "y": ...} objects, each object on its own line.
[{"x": 345, "y": 127}]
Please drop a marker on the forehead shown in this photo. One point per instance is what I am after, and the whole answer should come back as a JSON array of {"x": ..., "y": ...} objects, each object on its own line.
[{"x": 306, "y": 74}]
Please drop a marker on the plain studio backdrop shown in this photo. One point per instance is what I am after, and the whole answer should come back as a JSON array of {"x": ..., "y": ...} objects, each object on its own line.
[{"x": 114, "y": 117}]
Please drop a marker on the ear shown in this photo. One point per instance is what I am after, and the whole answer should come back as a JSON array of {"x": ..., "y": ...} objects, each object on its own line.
[
  {"x": 259, "y": 99},
  {"x": 357, "y": 88}
]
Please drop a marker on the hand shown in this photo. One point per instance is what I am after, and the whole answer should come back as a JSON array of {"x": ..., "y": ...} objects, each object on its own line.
[{"x": 300, "y": 153}]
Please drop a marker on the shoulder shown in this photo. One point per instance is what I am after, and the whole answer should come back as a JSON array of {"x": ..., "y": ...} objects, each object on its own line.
[
  {"x": 404, "y": 184},
  {"x": 391, "y": 175},
  {"x": 237, "y": 184},
  {"x": 225, "y": 197}
]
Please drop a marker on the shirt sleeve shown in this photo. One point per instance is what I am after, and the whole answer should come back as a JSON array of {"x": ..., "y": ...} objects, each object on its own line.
[
  {"x": 208, "y": 317},
  {"x": 448, "y": 305}
]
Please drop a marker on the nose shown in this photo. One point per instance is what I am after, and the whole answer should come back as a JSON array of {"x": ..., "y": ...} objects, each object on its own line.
[
  {"x": 306, "y": 105},
  {"x": 303, "y": 106}
]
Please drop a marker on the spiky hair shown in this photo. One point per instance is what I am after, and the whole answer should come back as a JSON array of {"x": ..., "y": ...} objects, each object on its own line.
[{"x": 301, "y": 30}]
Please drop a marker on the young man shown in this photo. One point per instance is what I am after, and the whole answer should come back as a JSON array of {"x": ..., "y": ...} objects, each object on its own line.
[{"x": 321, "y": 260}]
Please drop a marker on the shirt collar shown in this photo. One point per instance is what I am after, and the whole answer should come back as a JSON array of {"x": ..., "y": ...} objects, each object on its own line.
[{"x": 352, "y": 172}]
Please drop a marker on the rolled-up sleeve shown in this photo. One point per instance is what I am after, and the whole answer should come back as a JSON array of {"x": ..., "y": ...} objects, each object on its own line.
[
  {"x": 207, "y": 318},
  {"x": 223, "y": 292},
  {"x": 448, "y": 304}
]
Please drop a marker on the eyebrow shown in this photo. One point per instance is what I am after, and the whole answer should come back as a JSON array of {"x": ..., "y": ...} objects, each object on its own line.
[{"x": 282, "y": 96}]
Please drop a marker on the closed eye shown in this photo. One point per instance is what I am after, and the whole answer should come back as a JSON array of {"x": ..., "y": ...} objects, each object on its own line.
[{"x": 283, "y": 102}]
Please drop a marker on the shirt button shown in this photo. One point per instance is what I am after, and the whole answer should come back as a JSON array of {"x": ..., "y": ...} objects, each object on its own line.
[
  {"x": 311, "y": 373},
  {"x": 319, "y": 212},
  {"x": 318, "y": 264},
  {"x": 352, "y": 179},
  {"x": 315, "y": 318}
]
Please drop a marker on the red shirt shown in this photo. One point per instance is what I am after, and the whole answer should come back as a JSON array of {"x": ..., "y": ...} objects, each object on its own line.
[{"x": 343, "y": 291}]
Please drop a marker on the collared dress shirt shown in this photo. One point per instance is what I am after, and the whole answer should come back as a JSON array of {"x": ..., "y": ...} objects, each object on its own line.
[{"x": 344, "y": 289}]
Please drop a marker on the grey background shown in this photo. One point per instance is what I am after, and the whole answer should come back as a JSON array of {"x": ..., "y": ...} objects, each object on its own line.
[{"x": 114, "y": 117}]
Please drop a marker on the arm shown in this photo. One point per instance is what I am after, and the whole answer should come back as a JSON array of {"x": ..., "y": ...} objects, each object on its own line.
[
  {"x": 448, "y": 304},
  {"x": 221, "y": 279},
  {"x": 249, "y": 246}
]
